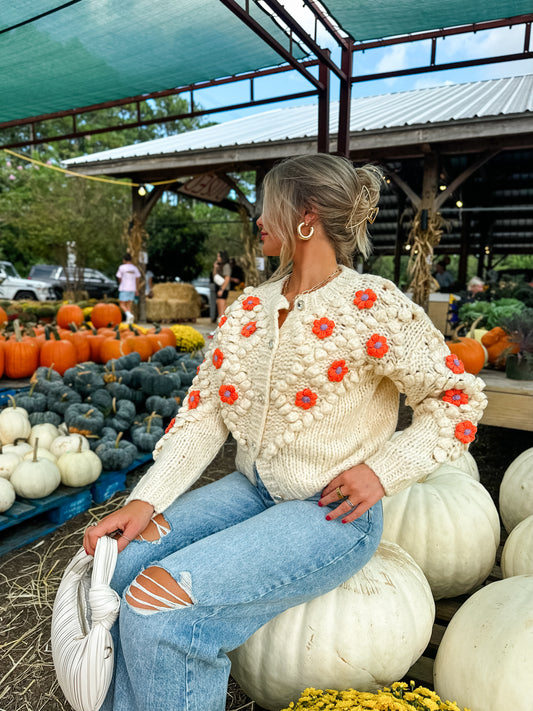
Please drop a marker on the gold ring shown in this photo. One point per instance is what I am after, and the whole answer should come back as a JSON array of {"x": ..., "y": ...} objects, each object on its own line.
[{"x": 340, "y": 495}]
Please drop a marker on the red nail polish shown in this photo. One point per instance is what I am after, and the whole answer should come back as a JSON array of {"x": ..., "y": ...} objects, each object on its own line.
[
  {"x": 344, "y": 520},
  {"x": 328, "y": 518},
  {"x": 320, "y": 503}
]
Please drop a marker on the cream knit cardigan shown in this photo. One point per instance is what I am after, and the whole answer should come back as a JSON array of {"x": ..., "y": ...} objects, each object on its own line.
[{"x": 320, "y": 395}]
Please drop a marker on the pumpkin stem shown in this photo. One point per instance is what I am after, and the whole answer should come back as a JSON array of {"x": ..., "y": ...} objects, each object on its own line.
[
  {"x": 35, "y": 446},
  {"x": 12, "y": 401},
  {"x": 18, "y": 332},
  {"x": 470, "y": 333},
  {"x": 79, "y": 446},
  {"x": 119, "y": 437},
  {"x": 114, "y": 405},
  {"x": 89, "y": 412},
  {"x": 150, "y": 419}
]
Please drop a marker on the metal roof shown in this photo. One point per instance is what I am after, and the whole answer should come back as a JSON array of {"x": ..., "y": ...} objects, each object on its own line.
[{"x": 420, "y": 107}]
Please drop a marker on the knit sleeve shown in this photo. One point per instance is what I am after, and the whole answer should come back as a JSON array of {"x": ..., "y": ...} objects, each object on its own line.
[
  {"x": 190, "y": 443},
  {"x": 447, "y": 402}
]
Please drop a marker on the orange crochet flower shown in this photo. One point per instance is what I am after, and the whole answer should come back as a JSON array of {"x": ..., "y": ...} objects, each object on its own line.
[
  {"x": 222, "y": 321},
  {"x": 454, "y": 364},
  {"x": 218, "y": 358},
  {"x": 465, "y": 432},
  {"x": 249, "y": 329},
  {"x": 456, "y": 397},
  {"x": 305, "y": 398},
  {"x": 323, "y": 327},
  {"x": 170, "y": 424},
  {"x": 228, "y": 394},
  {"x": 193, "y": 399},
  {"x": 249, "y": 303},
  {"x": 364, "y": 299},
  {"x": 377, "y": 346},
  {"x": 337, "y": 371}
]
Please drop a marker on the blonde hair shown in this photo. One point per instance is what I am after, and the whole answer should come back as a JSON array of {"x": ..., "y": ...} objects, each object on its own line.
[{"x": 345, "y": 199}]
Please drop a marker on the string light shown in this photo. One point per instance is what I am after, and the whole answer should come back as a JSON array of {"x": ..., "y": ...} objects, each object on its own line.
[
  {"x": 141, "y": 190},
  {"x": 459, "y": 203},
  {"x": 442, "y": 187}
]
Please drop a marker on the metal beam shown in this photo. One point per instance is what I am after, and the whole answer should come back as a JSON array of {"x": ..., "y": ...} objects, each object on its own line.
[
  {"x": 263, "y": 34},
  {"x": 345, "y": 103},
  {"x": 323, "y": 111}
]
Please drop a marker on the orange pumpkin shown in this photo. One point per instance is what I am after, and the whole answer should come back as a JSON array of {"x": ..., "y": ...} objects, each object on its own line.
[
  {"x": 80, "y": 343},
  {"x": 470, "y": 352},
  {"x": 21, "y": 356},
  {"x": 104, "y": 314},
  {"x": 3, "y": 316},
  {"x": 162, "y": 337},
  {"x": 58, "y": 354},
  {"x": 69, "y": 313},
  {"x": 2, "y": 346},
  {"x": 113, "y": 348},
  {"x": 499, "y": 346},
  {"x": 141, "y": 344},
  {"x": 95, "y": 341}
]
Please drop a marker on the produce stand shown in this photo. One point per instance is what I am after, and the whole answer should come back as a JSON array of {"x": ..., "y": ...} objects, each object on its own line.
[
  {"x": 510, "y": 402},
  {"x": 30, "y": 519}
]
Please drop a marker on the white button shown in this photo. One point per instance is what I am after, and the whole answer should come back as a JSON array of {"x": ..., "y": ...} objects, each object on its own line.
[
  {"x": 252, "y": 445},
  {"x": 299, "y": 304},
  {"x": 261, "y": 398},
  {"x": 271, "y": 344}
]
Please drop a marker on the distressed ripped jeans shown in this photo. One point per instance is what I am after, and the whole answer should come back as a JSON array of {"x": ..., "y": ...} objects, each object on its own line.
[{"x": 239, "y": 560}]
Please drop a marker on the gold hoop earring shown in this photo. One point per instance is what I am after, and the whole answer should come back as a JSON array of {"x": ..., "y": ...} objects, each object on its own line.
[{"x": 300, "y": 233}]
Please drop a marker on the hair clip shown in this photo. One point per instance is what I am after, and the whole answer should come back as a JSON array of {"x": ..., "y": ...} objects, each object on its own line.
[{"x": 372, "y": 214}]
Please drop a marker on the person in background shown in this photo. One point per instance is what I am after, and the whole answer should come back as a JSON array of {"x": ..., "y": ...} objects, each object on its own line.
[
  {"x": 221, "y": 277},
  {"x": 128, "y": 276},
  {"x": 148, "y": 283},
  {"x": 237, "y": 279},
  {"x": 444, "y": 278},
  {"x": 475, "y": 286}
]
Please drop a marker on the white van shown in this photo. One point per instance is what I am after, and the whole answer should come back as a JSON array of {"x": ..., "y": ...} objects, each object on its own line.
[{"x": 13, "y": 286}]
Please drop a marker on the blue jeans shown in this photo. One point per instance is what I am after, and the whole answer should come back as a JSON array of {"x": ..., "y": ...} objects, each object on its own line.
[{"x": 243, "y": 560}]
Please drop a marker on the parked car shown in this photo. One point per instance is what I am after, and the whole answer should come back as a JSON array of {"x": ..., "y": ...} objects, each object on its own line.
[
  {"x": 13, "y": 286},
  {"x": 208, "y": 295},
  {"x": 96, "y": 284}
]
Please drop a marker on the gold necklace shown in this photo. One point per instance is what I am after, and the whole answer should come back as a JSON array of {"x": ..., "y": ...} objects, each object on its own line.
[{"x": 307, "y": 291}]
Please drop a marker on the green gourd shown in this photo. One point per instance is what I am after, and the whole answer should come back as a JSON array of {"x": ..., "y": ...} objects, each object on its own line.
[
  {"x": 60, "y": 396},
  {"x": 122, "y": 415},
  {"x": 143, "y": 417},
  {"x": 165, "y": 356},
  {"x": 126, "y": 362},
  {"x": 39, "y": 418},
  {"x": 102, "y": 399},
  {"x": 163, "y": 406},
  {"x": 116, "y": 454},
  {"x": 84, "y": 419},
  {"x": 146, "y": 435},
  {"x": 119, "y": 391},
  {"x": 44, "y": 377},
  {"x": 31, "y": 401},
  {"x": 83, "y": 381}
]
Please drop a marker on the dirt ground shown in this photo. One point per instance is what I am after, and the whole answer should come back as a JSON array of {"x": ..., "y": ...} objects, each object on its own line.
[{"x": 29, "y": 578}]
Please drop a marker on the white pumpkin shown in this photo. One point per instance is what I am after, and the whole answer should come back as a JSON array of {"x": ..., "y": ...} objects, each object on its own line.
[
  {"x": 79, "y": 468},
  {"x": 467, "y": 464},
  {"x": 517, "y": 554},
  {"x": 20, "y": 448},
  {"x": 35, "y": 478},
  {"x": 14, "y": 424},
  {"x": 9, "y": 461},
  {"x": 364, "y": 634},
  {"x": 7, "y": 495},
  {"x": 46, "y": 433},
  {"x": 450, "y": 525},
  {"x": 516, "y": 491},
  {"x": 485, "y": 658},
  {"x": 68, "y": 443},
  {"x": 41, "y": 453}
]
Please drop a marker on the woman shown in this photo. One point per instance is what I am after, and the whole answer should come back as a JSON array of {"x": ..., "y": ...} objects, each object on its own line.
[
  {"x": 305, "y": 372},
  {"x": 221, "y": 277}
]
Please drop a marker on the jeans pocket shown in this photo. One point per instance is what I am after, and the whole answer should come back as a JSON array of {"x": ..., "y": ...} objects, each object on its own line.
[{"x": 370, "y": 519}]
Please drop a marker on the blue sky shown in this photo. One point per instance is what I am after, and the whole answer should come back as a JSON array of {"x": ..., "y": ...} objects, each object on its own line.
[{"x": 451, "y": 49}]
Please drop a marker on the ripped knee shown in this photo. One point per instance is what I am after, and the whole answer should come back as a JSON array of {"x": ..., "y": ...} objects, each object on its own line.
[
  {"x": 155, "y": 590},
  {"x": 156, "y": 529}
]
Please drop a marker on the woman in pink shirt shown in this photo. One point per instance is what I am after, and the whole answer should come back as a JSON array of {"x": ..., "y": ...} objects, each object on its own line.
[{"x": 128, "y": 276}]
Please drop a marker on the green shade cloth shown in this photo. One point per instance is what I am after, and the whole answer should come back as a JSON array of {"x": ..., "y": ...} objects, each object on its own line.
[
  {"x": 95, "y": 51},
  {"x": 364, "y": 19}
]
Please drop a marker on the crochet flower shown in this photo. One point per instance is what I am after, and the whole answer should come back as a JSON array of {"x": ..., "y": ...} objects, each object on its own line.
[
  {"x": 222, "y": 321},
  {"x": 305, "y": 399},
  {"x": 337, "y": 371},
  {"x": 456, "y": 397},
  {"x": 364, "y": 299},
  {"x": 323, "y": 327},
  {"x": 249, "y": 303},
  {"x": 377, "y": 346},
  {"x": 218, "y": 358},
  {"x": 228, "y": 394},
  {"x": 170, "y": 424},
  {"x": 193, "y": 399},
  {"x": 454, "y": 364},
  {"x": 249, "y": 329},
  {"x": 465, "y": 432}
]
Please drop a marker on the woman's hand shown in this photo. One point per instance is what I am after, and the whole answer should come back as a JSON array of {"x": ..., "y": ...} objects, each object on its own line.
[
  {"x": 360, "y": 486},
  {"x": 129, "y": 521}
]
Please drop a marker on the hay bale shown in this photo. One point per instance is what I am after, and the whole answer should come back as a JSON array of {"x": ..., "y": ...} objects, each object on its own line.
[
  {"x": 175, "y": 290},
  {"x": 172, "y": 310}
]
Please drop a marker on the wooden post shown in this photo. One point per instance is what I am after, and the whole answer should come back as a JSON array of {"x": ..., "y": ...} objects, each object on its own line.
[{"x": 463, "y": 256}]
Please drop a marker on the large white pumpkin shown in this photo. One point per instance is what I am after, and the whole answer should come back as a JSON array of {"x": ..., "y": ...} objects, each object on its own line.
[
  {"x": 35, "y": 479},
  {"x": 21, "y": 448},
  {"x": 68, "y": 443},
  {"x": 79, "y": 468},
  {"x": 485, "y": 658},
  {"x": 364, "y": 634},
  {"x": 450, "y": 525},
  {"x": 9, "y": 461},
  {"x": 516, "y": 491},
  {"x": 7, "y": 494},
  {"x": 14, "y": 424},
  {"x": 46, "y": 433},
  {"x": 517, "y": 554},
  {"x": 467, "y": 464}
]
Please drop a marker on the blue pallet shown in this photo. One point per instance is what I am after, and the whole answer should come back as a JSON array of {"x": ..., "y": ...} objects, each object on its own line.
[{"x": 30, "y": 519}]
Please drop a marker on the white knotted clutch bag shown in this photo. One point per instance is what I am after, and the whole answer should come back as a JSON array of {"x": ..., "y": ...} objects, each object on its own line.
[{"x": 85, "y": 608}]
